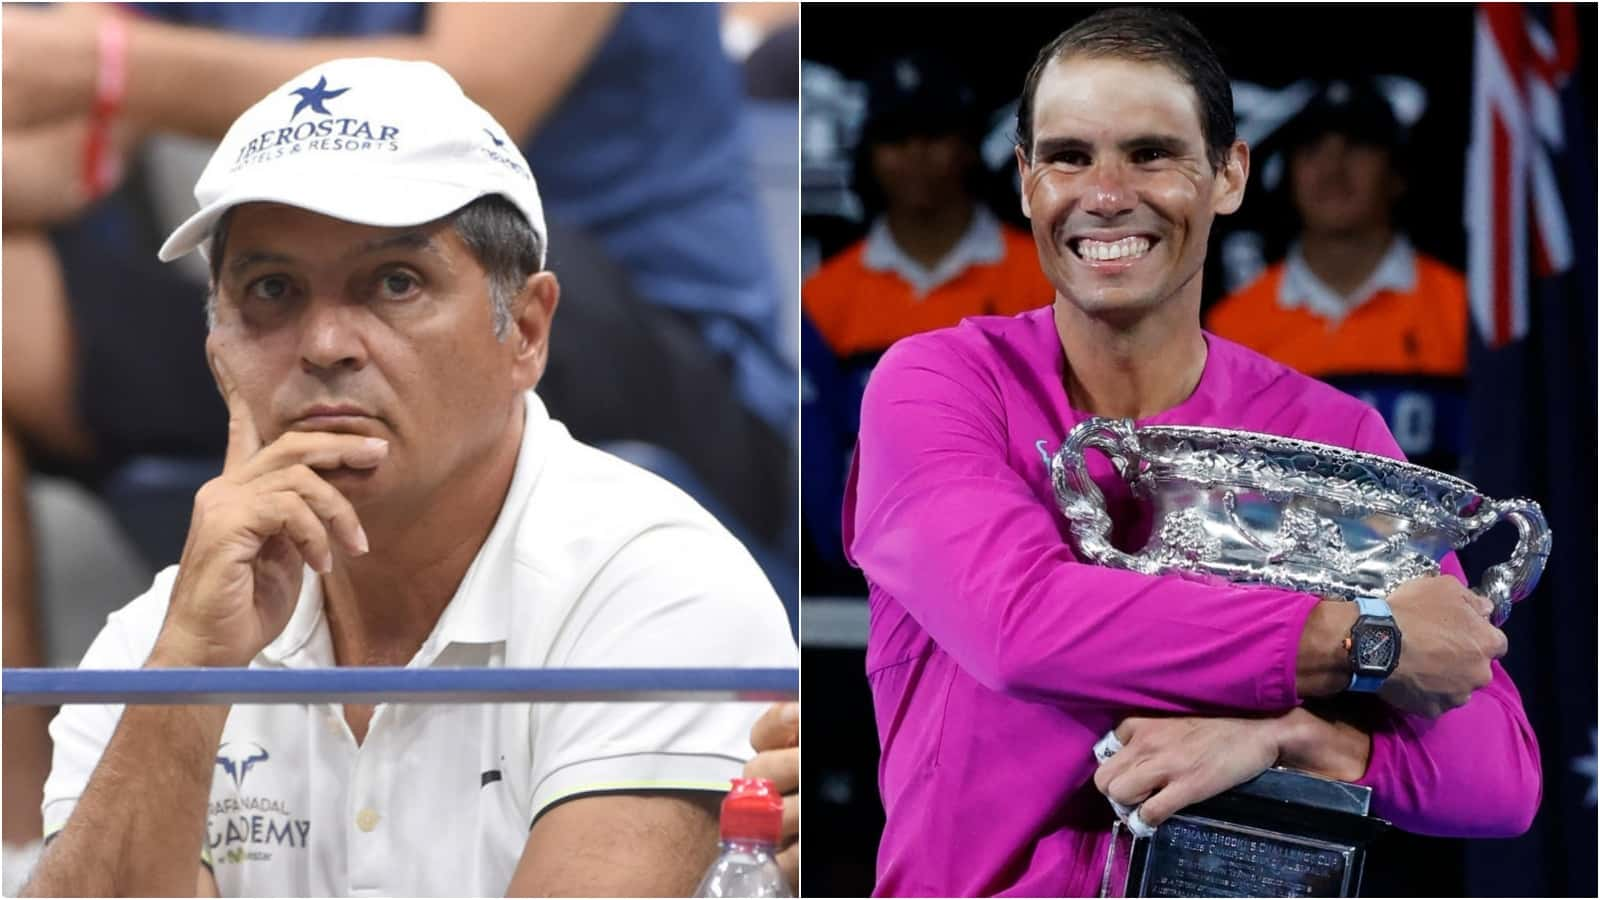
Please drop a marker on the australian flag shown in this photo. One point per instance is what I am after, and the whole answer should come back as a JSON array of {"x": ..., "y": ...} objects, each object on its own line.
[{"x": 1530, "y": 217}]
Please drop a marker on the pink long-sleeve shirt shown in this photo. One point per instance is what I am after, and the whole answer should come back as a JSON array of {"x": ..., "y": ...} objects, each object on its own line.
[{"x": 996, "y": 658}]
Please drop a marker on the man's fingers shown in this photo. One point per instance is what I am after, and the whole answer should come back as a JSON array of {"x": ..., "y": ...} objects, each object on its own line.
[
  {"x": 1498, "y": 644},
  {"x": 1480, "y": 604},
  {"x": 781, "y": 767},
  {"x": 318, "y": 450},
  {"x": 324, "y": 499},
  {"x": 243, "y": 438},
  {"x": 280, "y": 550},
  {"x": 778, "y": 727},
  {"x": 1107, "y": 747},
  {"x": 1126, "y": 729},
  {"x": 1119, "y": 764},
  {"x": 1162, "y": 804},
  {"x": 286, "y": 512},
  {"x": 1131, "y": 784},
  {"x": 791, "y": 820},
  {"x": 1110, "y": 769},
  {"x": 1130, "y": 790},
  {"x": 789, "y": 862}
]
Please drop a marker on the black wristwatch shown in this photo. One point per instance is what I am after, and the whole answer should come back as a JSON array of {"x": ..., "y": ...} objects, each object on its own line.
[{"x": 1373, "y": 644}]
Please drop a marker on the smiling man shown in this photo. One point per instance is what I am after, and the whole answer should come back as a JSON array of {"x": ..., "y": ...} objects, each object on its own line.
[
  {"x": 997, "y": 659},
  {"x": 394, "y": 494}
]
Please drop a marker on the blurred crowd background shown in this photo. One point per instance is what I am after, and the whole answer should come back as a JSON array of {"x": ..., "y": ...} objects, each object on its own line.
[
  {"x": 663, "y": 140},
  {"x": 1367, "y": 232}
]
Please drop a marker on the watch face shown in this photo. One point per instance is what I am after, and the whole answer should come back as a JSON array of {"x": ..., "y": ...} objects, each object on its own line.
[{"x": 1374, "y": 649}]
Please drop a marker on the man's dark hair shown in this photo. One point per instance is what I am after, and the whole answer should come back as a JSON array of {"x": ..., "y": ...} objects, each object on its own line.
[
  {"x": 492, "y": 227},
  {"x": 1144, "y": 35},
  {"x": 499, "y": 236}
]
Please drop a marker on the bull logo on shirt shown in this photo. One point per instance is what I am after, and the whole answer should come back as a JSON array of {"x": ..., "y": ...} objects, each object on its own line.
[
  {"x": 250, "y": 827},
  {"x": 237, "y": 763}
]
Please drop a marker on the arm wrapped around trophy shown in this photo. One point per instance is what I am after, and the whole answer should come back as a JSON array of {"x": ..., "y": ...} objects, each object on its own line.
[{"x": 1344, "y": 525}]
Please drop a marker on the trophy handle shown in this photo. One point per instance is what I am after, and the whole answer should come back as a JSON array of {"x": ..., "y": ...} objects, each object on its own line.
[
  {"x": 1508, "y": 582},
  {"x": 1080, "y": 499}
]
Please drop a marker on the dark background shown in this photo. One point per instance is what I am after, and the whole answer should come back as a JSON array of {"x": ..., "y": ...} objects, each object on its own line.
[{"x": 1533, "y": 405}]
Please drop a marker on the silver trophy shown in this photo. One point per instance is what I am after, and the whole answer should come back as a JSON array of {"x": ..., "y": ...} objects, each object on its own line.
[
  {"x": 1310, "y": 517},
  {"x": 1274, "y": 510}
]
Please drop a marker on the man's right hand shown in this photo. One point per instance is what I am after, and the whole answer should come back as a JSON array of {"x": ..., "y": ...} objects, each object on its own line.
[
  {"x": 1446, "y": 645},
  {"x": 253, "y": 530},
  {"x": 776, "y": 739}
]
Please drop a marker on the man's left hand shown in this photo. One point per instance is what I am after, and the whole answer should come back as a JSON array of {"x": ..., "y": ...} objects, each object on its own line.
[
  {"x": 776, "y": 740},
  {"x": 1167, "y": 764}
]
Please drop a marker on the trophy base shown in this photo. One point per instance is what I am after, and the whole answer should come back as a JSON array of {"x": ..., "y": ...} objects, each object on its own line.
[{"x": 1282, "y": 834}]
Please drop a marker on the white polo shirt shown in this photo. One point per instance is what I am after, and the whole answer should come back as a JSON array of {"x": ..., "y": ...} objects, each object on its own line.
[{"x": 593, "y": 562}]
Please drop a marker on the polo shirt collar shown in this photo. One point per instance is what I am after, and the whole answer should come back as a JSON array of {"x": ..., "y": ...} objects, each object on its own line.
[
  {"x": 305, "y": 623},
  {"x": 1302, "y": 289},
  {"x": 982, "y": 243},
  {"x": 480, "y": 611}
]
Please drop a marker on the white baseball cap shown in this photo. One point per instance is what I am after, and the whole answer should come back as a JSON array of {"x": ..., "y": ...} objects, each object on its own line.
[{"x": 375, "y": 141}]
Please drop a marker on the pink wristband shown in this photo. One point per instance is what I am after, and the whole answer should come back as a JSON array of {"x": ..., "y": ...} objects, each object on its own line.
[{"x": 100, "y": 165}]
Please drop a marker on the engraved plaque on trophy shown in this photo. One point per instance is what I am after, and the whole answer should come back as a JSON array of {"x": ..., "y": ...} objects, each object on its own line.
[{"x": 1283, "y": 834}]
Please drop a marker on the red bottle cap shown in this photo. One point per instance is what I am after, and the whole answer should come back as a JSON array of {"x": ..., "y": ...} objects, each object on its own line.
[{"x": 752, "y": 811}]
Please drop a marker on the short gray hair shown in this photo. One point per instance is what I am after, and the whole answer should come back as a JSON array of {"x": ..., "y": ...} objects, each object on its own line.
[{"x": 492, "y": 227}]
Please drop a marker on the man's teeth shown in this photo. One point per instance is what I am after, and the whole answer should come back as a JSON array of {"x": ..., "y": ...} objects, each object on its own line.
[{"x": 1128, "y": 247}]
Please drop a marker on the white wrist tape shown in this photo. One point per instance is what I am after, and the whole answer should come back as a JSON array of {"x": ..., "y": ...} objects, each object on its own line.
[
  {"x": 1104, "y": 749},
  {"x": 1137, "y": 826},
  {"x": 1107, "y": 747}
]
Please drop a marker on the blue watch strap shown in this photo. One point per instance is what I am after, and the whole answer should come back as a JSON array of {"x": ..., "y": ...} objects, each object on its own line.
[
  {"x": 1369, "y": 606},
  {"x": 1374, "y": 606},
  {"x": 1365, "y": 684}
]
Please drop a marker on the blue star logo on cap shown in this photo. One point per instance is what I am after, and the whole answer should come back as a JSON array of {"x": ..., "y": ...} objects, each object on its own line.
[{"x": 314, "y": 97}]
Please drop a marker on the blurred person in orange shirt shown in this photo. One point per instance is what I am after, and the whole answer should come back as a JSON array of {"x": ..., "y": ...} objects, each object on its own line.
[
  {"x": 1354, "y": 303},
  {"x": 935, "y": 254}
]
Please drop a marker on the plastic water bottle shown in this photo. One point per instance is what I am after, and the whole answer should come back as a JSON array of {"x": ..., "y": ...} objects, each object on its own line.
[{"x": 752, "y": 822}]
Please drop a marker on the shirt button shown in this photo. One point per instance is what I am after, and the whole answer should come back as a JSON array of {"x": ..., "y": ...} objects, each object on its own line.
[{"x": 367, "y": 819}]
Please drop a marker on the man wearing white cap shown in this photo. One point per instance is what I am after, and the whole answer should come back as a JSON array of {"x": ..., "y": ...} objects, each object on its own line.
[{"x": 395, "y": 494}]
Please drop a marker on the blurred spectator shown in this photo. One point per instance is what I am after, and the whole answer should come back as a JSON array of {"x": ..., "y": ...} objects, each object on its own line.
[
  {"x": 747, "y": 31},
  {"x": 632, "y": 117},
  {"x": 772, "y": 70},
  {"x": 935, "y": 254},
  {"x": 1354, "y": 303},
  {"x": 45, "y": 183}
]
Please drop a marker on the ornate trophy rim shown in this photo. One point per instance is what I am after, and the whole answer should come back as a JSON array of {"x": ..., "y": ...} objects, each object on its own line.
[
  {"x": 1393, "y": 479},
  {"x": 1348, "y": 522}
]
